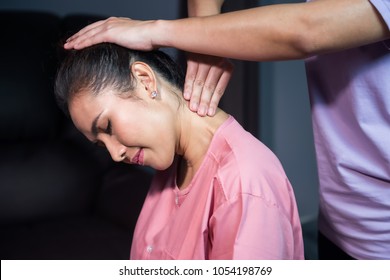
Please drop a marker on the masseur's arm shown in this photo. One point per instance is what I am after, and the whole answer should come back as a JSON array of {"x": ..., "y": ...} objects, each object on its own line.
[{"x": 275, "y": 32}]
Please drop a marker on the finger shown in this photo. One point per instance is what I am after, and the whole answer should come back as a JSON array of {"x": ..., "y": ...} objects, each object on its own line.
[
  {"x": 219, "y": 91},
  {"x": 92, "y": 34},
  {"x": 192, "y": 68},
  {"x": 74, "y": 39},
  {"x": 197, "y": 88},
  {"x": 85, "y": 29},
  {"x": 81, "y": 40},
  {"x": 88, "y": 38},
  {"x": 208, "y": 89}
]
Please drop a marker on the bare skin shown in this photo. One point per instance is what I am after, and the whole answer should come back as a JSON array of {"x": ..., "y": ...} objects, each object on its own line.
[{"x": 275, "y": 32}]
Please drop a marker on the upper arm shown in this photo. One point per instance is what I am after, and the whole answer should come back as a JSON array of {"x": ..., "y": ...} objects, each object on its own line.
[{"x": 332, "y": 25}]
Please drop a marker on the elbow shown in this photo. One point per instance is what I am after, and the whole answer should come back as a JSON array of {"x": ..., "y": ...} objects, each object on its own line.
[
  {"x": 307, "y": 36},
  {"x": 305, "y": 45},
  {"x": 310, "y": 37}
]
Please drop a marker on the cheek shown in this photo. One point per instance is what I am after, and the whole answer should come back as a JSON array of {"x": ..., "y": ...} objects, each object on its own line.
[
  {"x": 129, "y": 131},
  {"x": 161, "y": 154},
  {"x": 154, "y": 133}
]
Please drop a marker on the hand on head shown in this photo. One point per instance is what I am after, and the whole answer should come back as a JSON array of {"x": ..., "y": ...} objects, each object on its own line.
[{"x": 114, "y": 30}]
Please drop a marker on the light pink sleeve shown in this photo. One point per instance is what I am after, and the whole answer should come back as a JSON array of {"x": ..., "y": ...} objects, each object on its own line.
[{"x": 248, "y": 227}]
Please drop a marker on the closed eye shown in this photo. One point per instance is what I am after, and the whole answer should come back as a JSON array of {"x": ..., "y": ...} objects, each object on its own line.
[{"x": 108, "y": 129}]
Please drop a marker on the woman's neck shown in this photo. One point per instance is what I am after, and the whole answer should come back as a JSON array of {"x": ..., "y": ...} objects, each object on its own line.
[{"x": 195, "y": 138}]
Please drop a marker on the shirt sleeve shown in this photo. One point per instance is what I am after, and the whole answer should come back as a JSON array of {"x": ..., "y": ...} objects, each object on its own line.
[
  {"x": 249, "y": 227},
  {"x": 383, "y": 7}
]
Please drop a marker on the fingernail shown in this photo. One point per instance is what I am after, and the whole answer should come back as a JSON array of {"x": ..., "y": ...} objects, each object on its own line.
[
  {"x": 211, "y": 112},
  {"x": 202, "y": 110}
]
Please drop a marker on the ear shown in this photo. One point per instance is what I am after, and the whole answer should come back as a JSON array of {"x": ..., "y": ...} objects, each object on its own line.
[{"x": 144, "y": 75}]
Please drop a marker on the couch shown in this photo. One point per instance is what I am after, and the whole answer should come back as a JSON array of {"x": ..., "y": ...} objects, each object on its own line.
[{"x": 60, "y": 196}]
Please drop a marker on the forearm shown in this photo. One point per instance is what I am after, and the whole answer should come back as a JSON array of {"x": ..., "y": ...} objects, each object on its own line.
[
  {"x": 248, "y": 34},
  {"x": 276, "y": 32}
]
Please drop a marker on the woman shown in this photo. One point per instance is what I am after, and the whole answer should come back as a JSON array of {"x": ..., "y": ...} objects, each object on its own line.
[{"x": 219, "y": 193}]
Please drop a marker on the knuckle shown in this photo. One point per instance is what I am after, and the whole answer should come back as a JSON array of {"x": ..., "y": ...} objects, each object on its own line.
[
  {"x": 219, "y": 92},
  {"x": 187, "y": 86},
  {"x": 110, "y": 19},
  {"x": 209, "y": 87},
  {"x": 199, "y": 83},
  {"x": 190, "y": 78}
]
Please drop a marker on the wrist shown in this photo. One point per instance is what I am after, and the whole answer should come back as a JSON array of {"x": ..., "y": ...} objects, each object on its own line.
[{"x": 159, "y": 31}]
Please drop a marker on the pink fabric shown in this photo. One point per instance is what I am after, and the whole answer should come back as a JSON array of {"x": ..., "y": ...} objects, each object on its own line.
[{"x": 240, "y": 205}]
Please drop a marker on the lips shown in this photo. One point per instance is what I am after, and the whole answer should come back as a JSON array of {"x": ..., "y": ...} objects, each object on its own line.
[{"x": 138, "y": 157}]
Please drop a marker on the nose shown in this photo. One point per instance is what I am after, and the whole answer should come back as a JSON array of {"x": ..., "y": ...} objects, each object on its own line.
[{"x": 116, "y": 150}]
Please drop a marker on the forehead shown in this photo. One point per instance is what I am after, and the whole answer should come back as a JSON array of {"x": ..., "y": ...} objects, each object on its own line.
[
  {"x": 84, "y": 108},
  {"x": 82, "y": 101},
  {"x": 86, "y": 100}
]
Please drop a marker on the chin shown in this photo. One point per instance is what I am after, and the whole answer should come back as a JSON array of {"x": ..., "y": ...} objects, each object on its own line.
[{"x": 162, "y": 165}]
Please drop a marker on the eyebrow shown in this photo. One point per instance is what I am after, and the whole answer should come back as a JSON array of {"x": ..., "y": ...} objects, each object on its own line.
[{"x": 94, "y": 127}]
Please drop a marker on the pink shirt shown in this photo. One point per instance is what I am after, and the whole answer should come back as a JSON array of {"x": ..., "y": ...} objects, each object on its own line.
[{"x": 239, "y": 205}]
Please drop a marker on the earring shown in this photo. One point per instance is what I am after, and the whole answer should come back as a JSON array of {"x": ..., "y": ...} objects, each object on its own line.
[{"x": 153, "y": 95}]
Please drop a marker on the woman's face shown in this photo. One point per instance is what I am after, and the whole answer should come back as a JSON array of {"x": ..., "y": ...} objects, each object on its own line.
[{"x": 136, "y": 130}]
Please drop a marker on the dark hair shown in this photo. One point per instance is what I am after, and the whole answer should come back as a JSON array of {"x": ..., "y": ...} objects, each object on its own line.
[{"x": 108, "y": 65}]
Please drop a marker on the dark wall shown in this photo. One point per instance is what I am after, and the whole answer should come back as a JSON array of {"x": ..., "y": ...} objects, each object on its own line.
[{"x": 145, "y": 9}]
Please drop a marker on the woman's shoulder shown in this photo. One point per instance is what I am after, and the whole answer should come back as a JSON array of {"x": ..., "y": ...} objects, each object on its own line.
[
  {"x": 246, "y": 165},
  {"x": 236, "y": 149}
]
